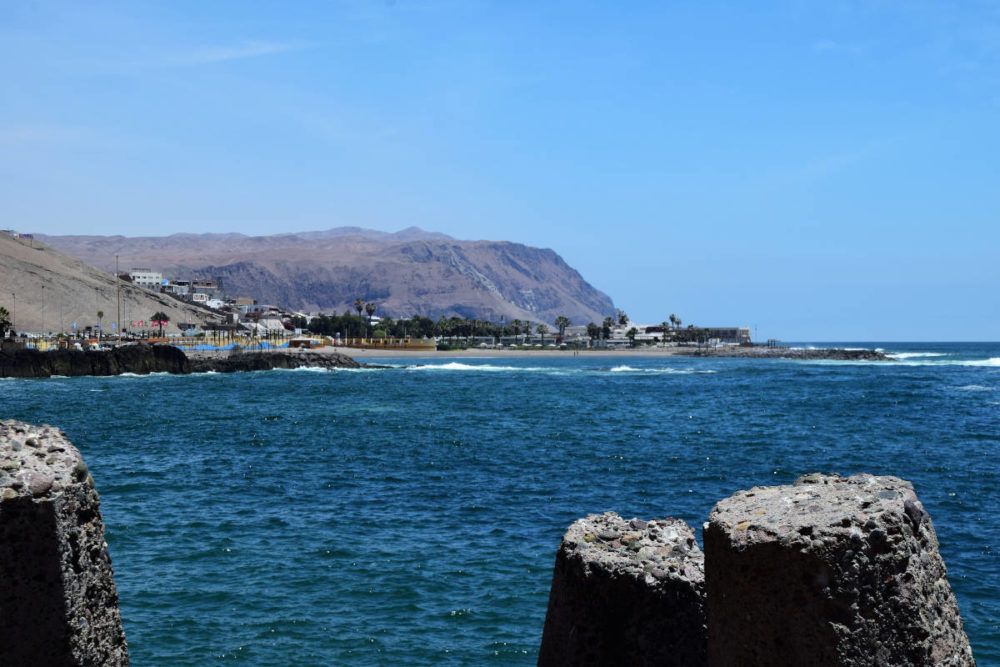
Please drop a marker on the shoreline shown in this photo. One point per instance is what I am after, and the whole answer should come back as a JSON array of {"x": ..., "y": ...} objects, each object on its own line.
[{"x": 635, "y": 353}]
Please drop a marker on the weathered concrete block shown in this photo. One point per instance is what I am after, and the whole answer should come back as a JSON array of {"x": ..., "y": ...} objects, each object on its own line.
[
  {"x": 829, "y": 571},
  {"x": 626, "y": 593},
  {"x": 58, "y": 602}
]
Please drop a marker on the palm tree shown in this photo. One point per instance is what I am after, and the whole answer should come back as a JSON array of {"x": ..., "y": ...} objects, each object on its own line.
[
  {"x": 674, "y": 322},
  {"x": 370, "y": 310},
  {"x": 562, "y": 322},
  {"x": 622, "y": 317},
  {"x": 631, "y": 336},
  {"x": 542, "y": 330},
  {"x": 5, "y": 323},
  {"x": 515, "y": 325},
  {"x": 161, "y": 318},
  {"x": 359, "y": 306},
  {"x": 609, "y": 322},
  {"x": 100, "y": 323},
  {"x": 593, "y": 331}
]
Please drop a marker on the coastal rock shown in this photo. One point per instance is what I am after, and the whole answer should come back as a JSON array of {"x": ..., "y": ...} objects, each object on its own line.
[
  {"x": 139, "y": 359},
  {"x": 144, "y": 359},
  {"x": 626, "y": 592},
  {"x": 802, "y": 354},
  {"x": 829, "y": 571},
  {"x": 58, "y": 601},
  {"x": 266, "y": 361}
]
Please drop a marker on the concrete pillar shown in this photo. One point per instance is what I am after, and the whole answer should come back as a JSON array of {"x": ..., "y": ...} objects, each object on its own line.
[
  {"x": 829, "y": 571},
  {"x": 58, "y": 603},
  {"x": 626, "y": 593}
]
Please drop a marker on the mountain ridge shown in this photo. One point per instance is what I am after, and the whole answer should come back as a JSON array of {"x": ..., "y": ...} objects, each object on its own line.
[{"x": 408, "y": 272}]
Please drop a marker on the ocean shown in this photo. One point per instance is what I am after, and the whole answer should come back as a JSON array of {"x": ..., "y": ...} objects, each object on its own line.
[{"x": 410, "y": 515}]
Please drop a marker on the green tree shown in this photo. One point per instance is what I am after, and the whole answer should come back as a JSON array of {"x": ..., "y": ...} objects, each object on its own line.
[
  {"x": 370, "y": 311},
  {"x": 609, "y": 322},
  {"x": 593, "y": 331},
  {"x": 161, "y": 318},
  {"x": 631, "y": 336},
  {"x": 561, "y": 323},
  {"x": 541, "y": 329},
  {"x": 5, "y": 323},
  {"x": 100, "y": 323},
  {"x": 674, "y": 322},
  {"x": 622, "y": 318}
]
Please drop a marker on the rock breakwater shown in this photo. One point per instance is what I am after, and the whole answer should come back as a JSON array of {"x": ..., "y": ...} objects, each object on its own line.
[
  {"x": 805, "y": 354},
  {"x": 626, "y": 592},
  {"x": 139, "y": 359},
  {"x": 266, "y": 361},
  {"x": 58, "y": 601},
  {"x": 828, "y": 571},
  {"x": 145, "y": 359}
]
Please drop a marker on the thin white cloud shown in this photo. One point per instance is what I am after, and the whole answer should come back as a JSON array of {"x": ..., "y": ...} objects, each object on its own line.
[{"x": 220, "y": 54}]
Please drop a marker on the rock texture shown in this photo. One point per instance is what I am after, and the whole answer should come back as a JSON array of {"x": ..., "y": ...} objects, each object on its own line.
[
  {"x": 266, "y": 361},
  {"x": 406, "y": 273},
  {"x": 58, "y": 602},
  {"x": 810, "y": 354},
  {"x": 145, "y": 359},
  {"x": 829, "y": 571},
  {"x": 626, "y": 593},
  {"x": 139, "y": 359}
]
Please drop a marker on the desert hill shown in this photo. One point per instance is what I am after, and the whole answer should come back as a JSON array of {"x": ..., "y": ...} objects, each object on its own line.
[
  {"x": 48, "y": 290},
  {"x": 405, "y": 273}
]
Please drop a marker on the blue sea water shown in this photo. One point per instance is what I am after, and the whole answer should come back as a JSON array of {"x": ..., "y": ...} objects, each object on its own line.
[{"x": 410, "y": 515}]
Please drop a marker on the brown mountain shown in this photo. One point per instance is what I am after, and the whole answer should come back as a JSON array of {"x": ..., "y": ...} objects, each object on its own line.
[
  {"x": 405, "y": 273},
  {"x": 46, "y": 290}
]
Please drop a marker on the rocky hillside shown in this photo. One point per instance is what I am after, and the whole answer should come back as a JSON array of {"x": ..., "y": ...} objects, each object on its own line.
[
  {"x": 406, "y": 273},
  {"x": 48, "y": 290}
]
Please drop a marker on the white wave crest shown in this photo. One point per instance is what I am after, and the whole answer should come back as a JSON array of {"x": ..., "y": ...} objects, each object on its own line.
[
  {"x": 974, "y": 387},
  {"x": 992, "y": 361},
  {"x": 915, "y": 355},
  {"x": 488, "y": 368},
  {"x": 662, "y": 371}
]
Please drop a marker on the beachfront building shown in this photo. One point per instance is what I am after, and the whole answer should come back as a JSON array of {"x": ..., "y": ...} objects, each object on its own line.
[
  {"x": 727, "y": 335},
  {"x": 146, "y": 278}
]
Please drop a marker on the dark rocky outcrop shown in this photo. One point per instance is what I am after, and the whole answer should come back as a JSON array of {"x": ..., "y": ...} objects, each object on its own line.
[
  {"x": 58, "y": 602},
  {"x": 626, "y": 593},
  {"x": 829, "y": 571},
  {"x": 804, "y": 354},
  {"x": 139, "y": 359},
  {"x": 145, "y": 359},
  {"x": 266, "y": 361}
]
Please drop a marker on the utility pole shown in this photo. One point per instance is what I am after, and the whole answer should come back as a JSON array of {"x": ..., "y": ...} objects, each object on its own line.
[
  {"x": 13, "y": 312},
  {"x": 118, "y": 285}
]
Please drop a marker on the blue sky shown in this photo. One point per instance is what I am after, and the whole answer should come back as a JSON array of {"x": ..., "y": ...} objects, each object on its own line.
[{"x": 820, "y": 171}]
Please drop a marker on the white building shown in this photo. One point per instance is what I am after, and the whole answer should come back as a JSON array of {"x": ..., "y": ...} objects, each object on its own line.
[{"x": 146, "y": 278}]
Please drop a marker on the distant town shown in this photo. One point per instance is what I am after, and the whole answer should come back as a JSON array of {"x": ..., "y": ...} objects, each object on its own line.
[{"x": 242, "y": 320}]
